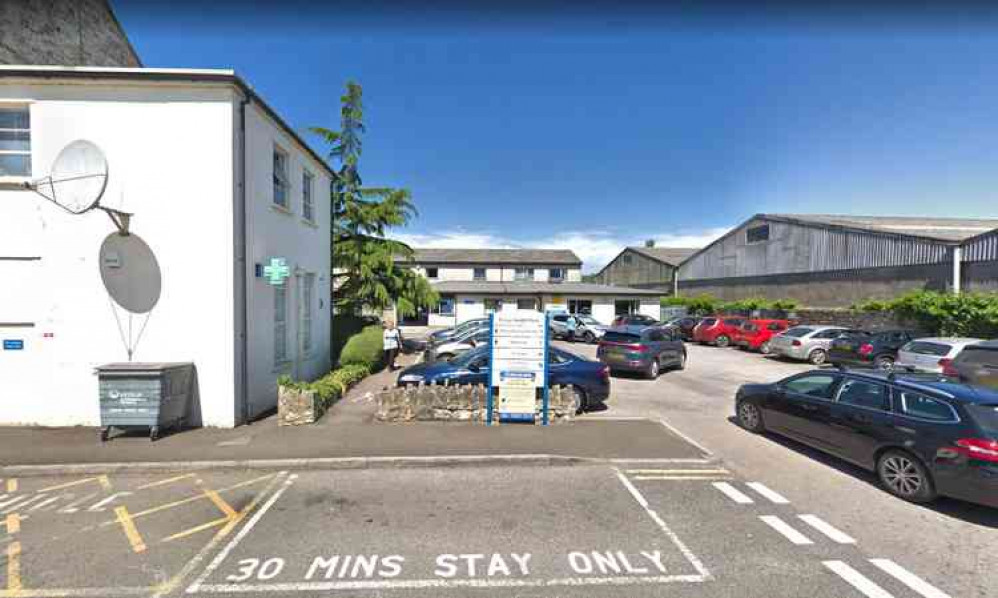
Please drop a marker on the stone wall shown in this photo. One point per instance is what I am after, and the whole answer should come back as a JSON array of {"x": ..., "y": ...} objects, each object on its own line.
[
  {"x": 459, "y": 404},
  {"x": 854, "y": 319},
  {"x": 63, "y": 32}
]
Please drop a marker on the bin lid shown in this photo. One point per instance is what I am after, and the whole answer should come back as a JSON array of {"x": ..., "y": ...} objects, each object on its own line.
[{"x": 138, "y": 367}]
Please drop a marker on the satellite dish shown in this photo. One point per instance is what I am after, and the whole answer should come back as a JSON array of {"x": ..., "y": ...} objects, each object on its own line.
[{"x": 130, "y": 272}]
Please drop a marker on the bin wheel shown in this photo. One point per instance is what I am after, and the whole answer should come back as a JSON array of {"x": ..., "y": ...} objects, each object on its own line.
[
  {"x": 153, "y": 433},
  {"x": 104, "y": 432}
]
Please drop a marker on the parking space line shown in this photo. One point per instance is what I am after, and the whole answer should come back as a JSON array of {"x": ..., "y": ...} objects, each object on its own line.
[
  {"x": 190, "y": 499},
  {"x": 665, "y": 478},
  {"x": 220, "y": 503},
  {"x": 675, "y": 431},
  {"x": 784, "y": 528},
  {"x": 196, "y": 529},
  {"x": 13, "y": 523},
  {"x": 733, "y": 493},
  {"x": 131, "y": 532},
  {"x": 166, "y": 481},
  {"x": 909, "y": 579},
  {"x": 101, "y": 479},
  {"x": 857, "y": 579},
  {"x": 675, "y": 471},
  {"x": 14, "y": 567},
  {"x": 764, "y": 490},
  {"x": 12, "y": 485},
  {"x": 824, "y": 527}
]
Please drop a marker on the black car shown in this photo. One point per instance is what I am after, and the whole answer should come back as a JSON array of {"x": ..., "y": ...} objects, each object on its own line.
[
  {"x": 976, "y": 364},
  {"x": 878, "y": 350},
  {"x": 923, "y": 435},
  {"x": 685, "y": 325},
  {"x": 635, "y": 320}
]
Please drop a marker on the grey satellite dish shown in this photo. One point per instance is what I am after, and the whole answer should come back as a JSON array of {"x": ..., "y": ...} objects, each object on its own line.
[{"x": 130, "y": 272}]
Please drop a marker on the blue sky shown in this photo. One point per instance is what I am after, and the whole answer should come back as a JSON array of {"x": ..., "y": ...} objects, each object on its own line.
[{"x": 592, "y": 132}]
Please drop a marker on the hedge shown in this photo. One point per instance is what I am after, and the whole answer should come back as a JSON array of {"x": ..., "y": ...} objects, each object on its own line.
[
  {"x": 707, "y": 304},
  {"x": 365, "y": 348},
  {"x": 965, "y": 314},
  {"x": 343, "y": 328},
  {"x": 331, "y": 386}
]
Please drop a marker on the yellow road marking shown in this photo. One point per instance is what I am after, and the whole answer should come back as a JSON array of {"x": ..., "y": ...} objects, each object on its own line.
[
  {"x": 12, "y": 485},
  {"x": 166, "y": 481},
  {"x": 220, "y": 503},
  {"x": 14, "y": 567},
  {"x": 130, "y": 530},
  {"x": 13, "y": 523},
  {"x": 196, "y": 529},
  {"x": 682, "y": 477},
  {"x": 675, "y": 471},
  {"x": 102, "y": 479}
]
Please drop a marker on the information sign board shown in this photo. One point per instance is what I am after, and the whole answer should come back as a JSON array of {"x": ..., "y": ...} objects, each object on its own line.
[{"x": 518, "y": 367}]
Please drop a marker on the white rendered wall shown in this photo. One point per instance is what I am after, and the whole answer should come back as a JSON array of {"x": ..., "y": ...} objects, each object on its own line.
[
  {"x": 651, "y": 308},
  {"x": 170, "y": 157}
]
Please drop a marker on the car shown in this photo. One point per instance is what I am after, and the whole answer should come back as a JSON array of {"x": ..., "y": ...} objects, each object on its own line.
[
  {"x": 931, "y": 354},
  {"x": 635, "y": 320},
  {"x": 685, "y": 324},
  {"x": 717, "y": 330},
  {"x": 923, "y": 435},
  {"x": 462, "y": 328},
  {"x": 869, "y": 349},
  {"x": 457, "y": 345},
  {"x": 589, "y": 380},
  {"x": 586, "y": 328},
  {"x": 756, "y": 335},
  {"x": 644, "y": 349},
  {"x": 976, "y": 364},
  {"x": 806, "y": 343}
]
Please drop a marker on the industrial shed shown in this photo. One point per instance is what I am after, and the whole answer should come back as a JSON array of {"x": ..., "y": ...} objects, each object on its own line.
[
  {"x": 647, "y": 267},
  {"x": 835, "y": 261}
]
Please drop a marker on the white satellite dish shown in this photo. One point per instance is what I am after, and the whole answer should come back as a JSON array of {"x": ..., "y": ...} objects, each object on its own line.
[
  {"x": 130, "y": 272},
  {"x": 77, "y": 182}
]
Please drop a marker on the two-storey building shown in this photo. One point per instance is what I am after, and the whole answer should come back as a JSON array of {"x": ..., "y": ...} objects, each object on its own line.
[{"x": 476, "y": 282}]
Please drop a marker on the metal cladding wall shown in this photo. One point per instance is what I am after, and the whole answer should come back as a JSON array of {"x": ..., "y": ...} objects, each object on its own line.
[
  {"x": 641, "y": 271},
  {"x": 982, "y": 248},
  {"x": 794, "y": 248}
]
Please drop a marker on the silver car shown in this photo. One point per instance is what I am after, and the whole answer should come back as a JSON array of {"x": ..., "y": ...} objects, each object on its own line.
[
  {"x": 455, "y": 346},
  {"x": 930, "y": 354},
  {"x": 806, "y": 343}
]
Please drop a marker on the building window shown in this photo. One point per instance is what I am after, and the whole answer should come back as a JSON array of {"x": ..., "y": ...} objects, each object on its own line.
[
  {"x": 281, "y": 185},
  {"x": 432, "y": 272},
  {"x": 280, "y": 324},
  {"x": 15, "y": 141},
  {"x": 556, "y": 274},
  {"x": 306, "y": 314},
  {"x": 626, "y": 307},
  {"x": 580, "y": 306},
  {"x": 446, "y": 306},
  {"x": 626, "y": 258},
  {"x": 528, "y": 303},
  {"x": 479, "y": 273},
  {"x": 306, "y": 196},
  {"x": 492, "y": 305},
  {"x": 757, "y": 234},
  {"x": 523, "y": 274}
]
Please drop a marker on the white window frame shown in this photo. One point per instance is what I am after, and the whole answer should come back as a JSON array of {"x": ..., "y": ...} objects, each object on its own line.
[
  {"x": 307, "y": 312},
  {"x": 307, "y": 202},
  {"x": 18, "y": 107},
  {"x": 281, "y": 354},
  {"x": 526, "y": 276},
  {"x": 281, "y": 180},
  {"x": 561, "y": 274}
]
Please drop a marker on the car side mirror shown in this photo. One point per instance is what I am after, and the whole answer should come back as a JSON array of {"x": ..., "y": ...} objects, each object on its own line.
[{"x": 474, "y": 368}]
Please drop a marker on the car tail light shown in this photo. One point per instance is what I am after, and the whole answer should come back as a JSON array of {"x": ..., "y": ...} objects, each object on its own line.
[
  {"x": 981, "y": 449},
  {"x": 866, "y": 349},
  {"x": 604, "y": 373},
  {"x": 638, "y": 348},
  {"x": 948, "y": 368},
  {"x": 796, "y": 343}
]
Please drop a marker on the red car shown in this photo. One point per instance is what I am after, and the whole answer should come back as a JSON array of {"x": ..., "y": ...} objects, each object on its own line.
[
  {"x": 754, "y": 335},
  {"x": 717, "y": 330}
]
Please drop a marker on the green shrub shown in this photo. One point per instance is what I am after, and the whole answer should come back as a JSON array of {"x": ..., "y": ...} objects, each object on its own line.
[
  {"x": 331, "y": 386},
  {"x": 343, "y": 327},
  {"x": 785, "y": 304},
  {"x": 364, "y": 348}
]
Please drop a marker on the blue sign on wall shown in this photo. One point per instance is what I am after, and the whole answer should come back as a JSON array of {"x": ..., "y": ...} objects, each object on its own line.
[{"x": 13, "y": 344}]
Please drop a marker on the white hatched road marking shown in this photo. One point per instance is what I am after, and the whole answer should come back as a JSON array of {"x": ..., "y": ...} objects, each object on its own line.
[
  {"x": 857, "y": 580},
  {"x": 909, "y": 579},
  {"x": 784, "y": 528},
  {"x": 770, "y": 494},
  {"x": 826, "y": 528},
  {"x": 733, "y": 493}
]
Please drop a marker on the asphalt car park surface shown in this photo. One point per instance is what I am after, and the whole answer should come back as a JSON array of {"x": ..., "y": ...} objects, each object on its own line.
[{"x": 950, "y": 541}]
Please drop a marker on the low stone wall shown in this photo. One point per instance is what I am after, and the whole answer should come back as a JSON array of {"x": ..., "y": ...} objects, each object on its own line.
[
  {"x": 862, "y": 320},
  {"x": 459, "y": 404},
  {"x": 297, "y": 407}
]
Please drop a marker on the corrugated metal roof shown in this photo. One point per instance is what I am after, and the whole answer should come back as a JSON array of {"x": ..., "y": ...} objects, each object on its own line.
[
  {"x": 670, "y": 255},
  {"x": 944, "y": 229},
  {"x": 538, "y": 288},
  {"x": 433, "y": 255}
]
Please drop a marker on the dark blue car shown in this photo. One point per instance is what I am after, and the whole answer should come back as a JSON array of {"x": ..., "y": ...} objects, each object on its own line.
[{"x": 589, "y": 380}]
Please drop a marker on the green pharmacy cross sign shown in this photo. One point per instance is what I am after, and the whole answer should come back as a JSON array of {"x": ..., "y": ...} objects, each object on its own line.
[{"x": 276, "y": 271}]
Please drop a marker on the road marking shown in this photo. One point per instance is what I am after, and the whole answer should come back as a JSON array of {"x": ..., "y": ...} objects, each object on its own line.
[
  {"x": 686, "y": 552},
  {"x": 13, "y": 523},
  {"x": 221, "y": 556},
  {"x": 190, "y": 499},
  {"x": 14, "y": 567},
  {"x": 824, "y": 527},
  {"x": 12, "y": 485},
  {"x": 857, "y": 580},
  {"x": 784, "y": 528},
  {"x": 675, "y": 431},
  {"x": 664, "y": 478},
  {"x": 134, "y": 538},
  {"x": 102, "y": 479},
  {"x": 196, "y": 529},
  {"x": 733, "y": 493},
  {"x": 46, "y": 502},
  {"x": 166, "y": 481},
  {"x": 909, "y": 579},
  {"x": 675, "y": 471},
  {"x": 220, "y": 503},
  {"x": 75, "y": 592},
  {"x": 770, "y": 494}
]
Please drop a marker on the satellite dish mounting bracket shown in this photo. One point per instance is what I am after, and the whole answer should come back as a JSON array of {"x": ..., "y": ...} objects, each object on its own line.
[{"x": 120, "y": 219}]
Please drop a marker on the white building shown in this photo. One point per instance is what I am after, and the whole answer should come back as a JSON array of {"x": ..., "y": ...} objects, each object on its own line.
[
  {"x": 475, "y": 282},
  {"x": 218, "y": 185}
]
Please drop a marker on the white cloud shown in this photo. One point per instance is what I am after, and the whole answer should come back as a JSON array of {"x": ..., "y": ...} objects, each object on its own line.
[{"x": 595, "y": 249}]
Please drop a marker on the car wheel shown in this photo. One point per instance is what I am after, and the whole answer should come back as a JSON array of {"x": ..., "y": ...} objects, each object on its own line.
[
  {"x": 722, "y": 341},
  {"x": 578, "y": 400},
  {"x": 682, "y": 362},
  {"x": 570, "y": 337},
  {"x": 817, "y": 357},
  {"x": 904, "y": 476},
  {"x": 765, "y": 348},
  {"x": 653, "y": 370},
  {"x": 750, "y": 417},
  {"x": 884, "y": 363},
  {"x": 589, "y": 337}
]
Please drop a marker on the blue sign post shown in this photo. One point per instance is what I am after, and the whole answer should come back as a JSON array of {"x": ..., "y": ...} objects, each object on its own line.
[
  {"x": 13, "y": 344},
  {"x": 492, "y": 334}
]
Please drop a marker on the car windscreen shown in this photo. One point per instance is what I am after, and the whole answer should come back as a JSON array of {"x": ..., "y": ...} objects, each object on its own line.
[
  {"x": 621, "y": 337},
  {"x": 927, "y": 348},
  {"x": 798, "y": 332},
  {"x": 734, "y": 322},
  {"x": 709, "y": 321},
  {"x": 978, "y": 356},
  {"x": 589, "y": 320},
  {"x": 986, "y": 416},
  {"x": 467, "y": 357}
]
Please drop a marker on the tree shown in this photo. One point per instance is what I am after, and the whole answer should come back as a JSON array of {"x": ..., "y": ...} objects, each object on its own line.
[{"x": 365, "y": 272}]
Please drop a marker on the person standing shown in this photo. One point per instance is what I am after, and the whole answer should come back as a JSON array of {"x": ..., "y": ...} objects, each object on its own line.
[{"x": 391, "y": 341}]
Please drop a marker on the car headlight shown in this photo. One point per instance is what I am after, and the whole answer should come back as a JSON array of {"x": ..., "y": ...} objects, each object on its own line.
[{"x": 411, "y": 378}]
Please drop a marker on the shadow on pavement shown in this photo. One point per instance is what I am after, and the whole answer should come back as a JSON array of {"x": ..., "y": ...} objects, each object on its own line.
[{"x": 958, "y": 509}]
